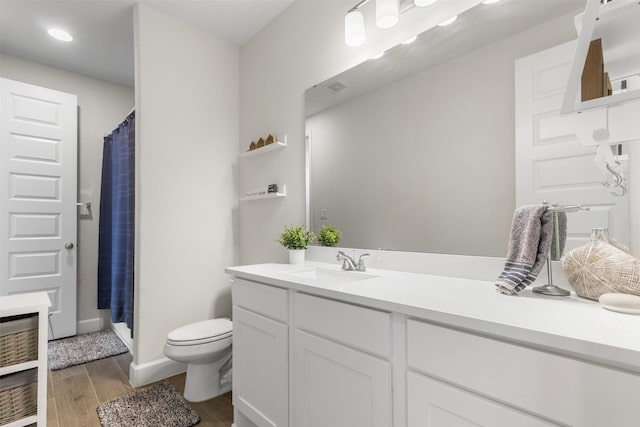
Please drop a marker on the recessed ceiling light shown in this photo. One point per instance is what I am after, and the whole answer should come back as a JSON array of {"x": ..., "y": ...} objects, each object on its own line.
[
  {"x": 410, "y": 40},
  {"x": 490, "y": 1},
  {"x": 448, "y": 21},
  {"x": 379, "y": 55},
  {"x": 59, "y": 34}
]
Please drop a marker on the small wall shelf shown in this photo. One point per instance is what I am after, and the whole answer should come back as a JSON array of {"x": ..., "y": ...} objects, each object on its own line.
[
  {"x": 277, "y": 145},
  {"x": 281, "y": 193}
]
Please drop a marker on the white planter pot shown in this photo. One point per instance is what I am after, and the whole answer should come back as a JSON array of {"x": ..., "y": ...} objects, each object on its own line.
[{"x": 296, "y": 256}]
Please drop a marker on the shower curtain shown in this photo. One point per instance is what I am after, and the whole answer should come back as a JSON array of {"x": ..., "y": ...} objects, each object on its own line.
[{"x": 116, "y": 227}]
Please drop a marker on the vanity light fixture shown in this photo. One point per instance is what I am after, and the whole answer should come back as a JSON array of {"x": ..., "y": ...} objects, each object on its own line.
[
  {"x": 354, "y": 34},
  {"x": 59, "y": 34},
  {"x": 387, "y": 13},
  {"x": 448, "y": 21},
  {"x": 423, "y": 3}
]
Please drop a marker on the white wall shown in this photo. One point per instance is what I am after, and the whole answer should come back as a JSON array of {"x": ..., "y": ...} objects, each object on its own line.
[
  {"x": 186, "y": 142},
  {"x": 301, "y": 47},
  {"x": 102, "y": 106}
]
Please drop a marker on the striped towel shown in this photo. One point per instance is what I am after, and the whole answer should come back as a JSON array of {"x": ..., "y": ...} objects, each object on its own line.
[{"x": 529, "y": 245}]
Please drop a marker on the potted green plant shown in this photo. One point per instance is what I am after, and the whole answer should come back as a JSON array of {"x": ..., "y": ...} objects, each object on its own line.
[
  {"x": 296, "y": 239},
  {"x": 329, "y": 235}
]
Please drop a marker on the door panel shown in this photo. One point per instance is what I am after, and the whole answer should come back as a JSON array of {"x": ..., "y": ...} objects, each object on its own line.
[
  {"x": 432, "y": 403},
  {"x": 551, "y": 164},
  {"x": 337, "y": 386},
  {"x": 38, "y": 176},
  {"x": 261, "y": 377}
]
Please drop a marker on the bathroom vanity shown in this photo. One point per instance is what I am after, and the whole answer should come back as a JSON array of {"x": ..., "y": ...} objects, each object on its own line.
[{"x": 317, "y": 346}]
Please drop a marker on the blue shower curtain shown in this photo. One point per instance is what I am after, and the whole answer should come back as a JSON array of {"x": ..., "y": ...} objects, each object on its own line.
[{"x": 117, "y": 220}]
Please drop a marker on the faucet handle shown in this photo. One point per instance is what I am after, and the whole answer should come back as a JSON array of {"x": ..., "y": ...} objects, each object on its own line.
[{"x": 361, "y": 265}]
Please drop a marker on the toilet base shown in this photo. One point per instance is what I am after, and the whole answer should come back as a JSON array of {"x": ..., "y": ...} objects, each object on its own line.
[{"x": 203, "y": 381}]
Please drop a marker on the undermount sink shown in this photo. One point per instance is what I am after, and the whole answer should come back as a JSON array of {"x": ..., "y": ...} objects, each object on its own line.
[{"x": 323, "y": 276}]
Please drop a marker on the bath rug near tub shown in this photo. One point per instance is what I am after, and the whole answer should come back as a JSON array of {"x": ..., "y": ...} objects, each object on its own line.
[
  {"x": 84, "y": 348},
  {"x": 158, "y": 405}
]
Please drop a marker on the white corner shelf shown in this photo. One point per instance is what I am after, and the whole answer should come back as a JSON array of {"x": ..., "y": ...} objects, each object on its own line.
[
  {"x": 279, "y": 194},
  {"x": 276, "y": 145}
]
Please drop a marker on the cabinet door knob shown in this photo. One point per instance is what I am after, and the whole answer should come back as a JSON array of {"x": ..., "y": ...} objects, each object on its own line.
[{"x": 68, "y": 245}]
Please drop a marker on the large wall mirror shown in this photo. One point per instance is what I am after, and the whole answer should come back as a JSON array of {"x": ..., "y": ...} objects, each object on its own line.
[{"x": 415, "y": 151}]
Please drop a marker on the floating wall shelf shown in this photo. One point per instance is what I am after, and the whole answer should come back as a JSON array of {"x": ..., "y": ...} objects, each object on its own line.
[
  {"x": 281, "y": 193},
  {"x": 277, "y": 145}
]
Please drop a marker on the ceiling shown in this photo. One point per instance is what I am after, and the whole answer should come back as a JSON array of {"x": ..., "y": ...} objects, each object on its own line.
[
  {"x": 103, "y": 29},
  {"x": 475, "y": 28}
]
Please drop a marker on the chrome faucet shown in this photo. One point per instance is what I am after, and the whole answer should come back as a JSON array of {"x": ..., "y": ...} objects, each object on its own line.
[{"x": 349, "y": 264}]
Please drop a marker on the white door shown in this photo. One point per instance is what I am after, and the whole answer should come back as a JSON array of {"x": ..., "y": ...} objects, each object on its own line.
[
  {"x": 38, "y": 169},
  {"x": 551, "y": 164},
  {"x": 337, "y": 386},
  {"x": 431, "y": 403}
]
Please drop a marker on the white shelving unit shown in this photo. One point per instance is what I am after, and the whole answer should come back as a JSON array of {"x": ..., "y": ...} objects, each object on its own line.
[
  {"x": 30, "y": 304},
  {"x": 282, "y": 189},
  {"x": 277, "y": 145},
  {"x": 616, "y": 23},
  {"x": 281, "y": 193}
]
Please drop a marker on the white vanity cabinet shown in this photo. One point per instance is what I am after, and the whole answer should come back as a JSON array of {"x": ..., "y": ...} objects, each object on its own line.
[
  {"x": 340, "y": 375},
  {"x": 260, "y": 354},
  {"x": 458, "y": 378},
  {"x": 404, "y": 350}
]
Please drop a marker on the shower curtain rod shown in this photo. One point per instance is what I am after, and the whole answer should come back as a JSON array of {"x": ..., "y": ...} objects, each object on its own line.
[{"x": 106, "y": 134}]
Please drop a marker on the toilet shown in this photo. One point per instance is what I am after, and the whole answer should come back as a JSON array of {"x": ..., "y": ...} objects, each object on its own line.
[{"x": 206, "y": 349}]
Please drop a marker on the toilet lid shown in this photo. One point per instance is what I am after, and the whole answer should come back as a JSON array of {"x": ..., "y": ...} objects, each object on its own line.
[{"x": 201, "y": 332}]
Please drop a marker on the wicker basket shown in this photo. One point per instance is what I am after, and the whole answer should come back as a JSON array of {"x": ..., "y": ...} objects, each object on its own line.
[
  {"x": 18, "y": 340},
  {"x": 18, "y": 396}
]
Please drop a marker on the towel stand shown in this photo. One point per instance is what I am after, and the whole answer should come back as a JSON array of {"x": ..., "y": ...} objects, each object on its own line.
[{"x": 550, "y": 288}]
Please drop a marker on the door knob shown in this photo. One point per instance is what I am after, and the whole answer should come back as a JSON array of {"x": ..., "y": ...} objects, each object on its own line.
[{"x": 68, "y": 245}]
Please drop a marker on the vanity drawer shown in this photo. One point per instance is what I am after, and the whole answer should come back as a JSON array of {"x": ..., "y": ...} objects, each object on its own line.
[
  {"x": 267, "y": 300},
  {"x": 576, "y": 393},
  {"x": 358, "y": 327}
]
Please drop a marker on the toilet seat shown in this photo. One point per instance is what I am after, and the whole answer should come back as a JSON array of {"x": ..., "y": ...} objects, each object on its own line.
[{"x": 201, "y": 332}]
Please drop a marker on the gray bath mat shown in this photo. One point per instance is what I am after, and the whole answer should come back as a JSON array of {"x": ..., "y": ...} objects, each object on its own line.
[
  {"x": 84, "y": 348},
  {"x": 158, "y": 405}
]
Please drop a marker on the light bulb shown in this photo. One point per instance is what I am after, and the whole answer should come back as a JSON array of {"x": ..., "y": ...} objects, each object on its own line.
[
  {"x": 354, "y": 34},
  {"x": 423, "y": 3},
  {"x": 59, "y": 34},
  {"x": 410, "y": 40},
  {"x": 387, "y": 13},
  {"x": 448, "y": 21}
]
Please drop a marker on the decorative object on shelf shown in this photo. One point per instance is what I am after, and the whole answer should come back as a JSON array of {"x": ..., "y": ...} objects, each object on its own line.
[
  {"x": 296, "y": 239},
  {"x": 329, "y": 235},
  {"x": 268, "y": 145},
  {"x": 599, "y": 267},
  {"x": 281, "y": 191}
]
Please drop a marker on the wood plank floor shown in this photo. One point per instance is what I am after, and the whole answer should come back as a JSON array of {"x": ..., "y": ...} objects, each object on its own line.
[{"x": 74, "y": 394}]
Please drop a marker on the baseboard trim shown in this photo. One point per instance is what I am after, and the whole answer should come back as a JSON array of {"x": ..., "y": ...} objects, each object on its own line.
[
  {"x": 155, "y": 370},
  {"x": 90, "y": 325},
  {"x": 121, "y": 330}
]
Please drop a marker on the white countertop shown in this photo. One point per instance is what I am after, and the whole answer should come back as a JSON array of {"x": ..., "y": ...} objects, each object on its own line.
[{"x": 567, "y": 325}]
